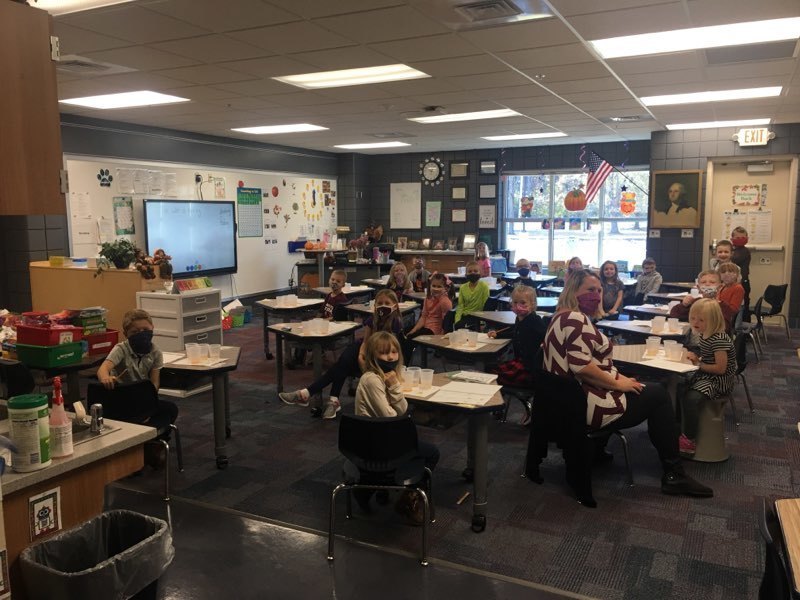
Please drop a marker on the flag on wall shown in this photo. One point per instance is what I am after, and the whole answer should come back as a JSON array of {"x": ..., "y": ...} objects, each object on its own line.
[{"x": 599, "y": 169}]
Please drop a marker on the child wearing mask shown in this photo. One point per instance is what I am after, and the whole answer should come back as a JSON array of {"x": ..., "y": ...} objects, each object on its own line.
[
  {"x": 523, "y": 266},
  {"x": 419, "y": 276},
  {"x": 741, "y": 258},
  {"x": 648, "y": 282},
  {"x": 436, "y": 306},
  {"x": 574, "y": 264},
  {"x": 722, "y": 253},
  {"x": 709, "y": 284},
  {"x": 472, "y": 296},
  {"x": 482, "y": 258},
  {"x": 731, "y": 292}
]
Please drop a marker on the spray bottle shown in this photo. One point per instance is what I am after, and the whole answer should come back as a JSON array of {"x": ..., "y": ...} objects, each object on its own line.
[{"x": 60, "y": 424}]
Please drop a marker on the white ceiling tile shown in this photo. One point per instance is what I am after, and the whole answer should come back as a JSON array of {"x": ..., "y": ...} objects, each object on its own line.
[
  {"x": 582, "y": 7},
  {"x": 200, "y": 93},
  {"x": 489, "y": 80},
  {"x": 222, "y": 16},
  {"x": 448, "y": 45},
  {"x": 205, "y": 74},
  {"x": 375, "y": 26},
  {"x": 314, "y": 9},
  {"x": 550, "y": 56},
  {"x": 715, "y": 12},
  {"x": 270, "y": 66},
  {"x": 668, "y": 80},
  {"x": 142, "y": 58},
  {"x": 674, "y": 61},
  {"x": 549, "y": 75},
  {"x": 521, "y": 36},
  {"x": 255, "y": 87},
  {"x": 645, "y": 19},
  {"x": 466, "y": 65},
  {"x": 74, "y": 40},
  {"x": 302, "y": 36},
  {"x": 420, "y": 87},
  {"x": 350, "y": 57},
  {"x": 211, "y": 48},
  {"x": 585, "y": 85}
]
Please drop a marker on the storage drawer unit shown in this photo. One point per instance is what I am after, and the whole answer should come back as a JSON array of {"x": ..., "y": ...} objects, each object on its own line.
[{"x": 180, "y": 318}]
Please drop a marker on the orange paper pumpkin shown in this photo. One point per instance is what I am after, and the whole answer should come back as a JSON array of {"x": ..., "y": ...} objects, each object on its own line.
[
  {"x": 628, "y": 203},
  {"x": 575, "y": 200},
  {"x": 309, "y": 245}
]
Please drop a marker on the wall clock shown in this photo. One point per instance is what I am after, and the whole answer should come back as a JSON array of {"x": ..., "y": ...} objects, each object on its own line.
[{"x": 431, "y": 171}]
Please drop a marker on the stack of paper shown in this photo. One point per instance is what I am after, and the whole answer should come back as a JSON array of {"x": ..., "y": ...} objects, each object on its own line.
[
  {"x": 474, "y": 376},
  {"x": 457, "y": 392}
]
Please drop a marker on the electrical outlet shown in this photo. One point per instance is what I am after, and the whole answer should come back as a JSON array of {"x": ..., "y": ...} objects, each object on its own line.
[
  {"x": 687, "y": 233},
  {"x": 655, "y": 233},
  {"x": 766, "y": 260},
  {"x": 210, "y": 178}
]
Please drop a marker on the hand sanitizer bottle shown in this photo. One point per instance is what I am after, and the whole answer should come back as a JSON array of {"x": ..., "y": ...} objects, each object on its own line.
[{"x": 60, "y": 424}]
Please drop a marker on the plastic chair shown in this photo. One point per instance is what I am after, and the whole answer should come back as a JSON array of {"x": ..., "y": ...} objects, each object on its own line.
[
  {"x": 775, "y": 583},
  {"x": 138, "y": 403},
  {"x": 751, "y": 330},
  {"x": 382, "y": 454},
  {"x": 740, "y": 348},
  {"x": 775, "y": 296}
]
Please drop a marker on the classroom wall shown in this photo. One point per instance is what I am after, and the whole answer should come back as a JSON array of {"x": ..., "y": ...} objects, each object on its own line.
[{"x": 681, "y": 259}]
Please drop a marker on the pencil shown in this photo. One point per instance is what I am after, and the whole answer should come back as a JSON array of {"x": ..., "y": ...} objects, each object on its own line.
[
  {"x": 465, "y": 496},
  {"x": 123, "y": 373},
  {"x": 496, "y": 331}
]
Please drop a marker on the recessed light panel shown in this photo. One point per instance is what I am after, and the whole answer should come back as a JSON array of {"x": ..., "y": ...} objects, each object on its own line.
[
  {"x": 469, "y": 116},
  {"x": 330, "y": 79},
  {"x": 524, "y": 136},
  {"x": 715, "y": 124},
  {"x": 270, "y": 129},
  {"x": 372, "y": 145},
  {"x": 720, "y": 96},
  {"x": 63, "y": 7},
  {"x": 125, "y": 100}
]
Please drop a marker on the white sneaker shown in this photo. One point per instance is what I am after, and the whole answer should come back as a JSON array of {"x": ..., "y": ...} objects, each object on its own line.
[
  {"x": 293, "y": 398},
  {"x": 331, "y": 409}
]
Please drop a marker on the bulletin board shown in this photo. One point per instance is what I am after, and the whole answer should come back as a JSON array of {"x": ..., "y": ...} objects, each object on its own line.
[{"x": 105, "y": 203}]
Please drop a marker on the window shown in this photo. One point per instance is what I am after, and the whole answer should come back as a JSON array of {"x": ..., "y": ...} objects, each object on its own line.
[{"x": 537, "y": 225}]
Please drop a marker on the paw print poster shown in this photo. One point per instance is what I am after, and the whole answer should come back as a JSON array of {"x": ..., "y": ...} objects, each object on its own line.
[{"x": 44, "y": 513}]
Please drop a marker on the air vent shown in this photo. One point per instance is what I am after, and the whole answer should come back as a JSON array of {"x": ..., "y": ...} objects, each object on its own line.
[
  {"x": 391, "y": 135},
  {"x": 487, "y": 10},
  {"x": 460, "y": 15},
  {"x": 80, "y": 65},
  {"x": 751, "y": 52}
]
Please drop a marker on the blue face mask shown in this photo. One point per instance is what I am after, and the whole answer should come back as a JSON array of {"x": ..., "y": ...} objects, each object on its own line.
[
  {"x": 142, "y": 342},
  {"x": 523, "y": 272}
]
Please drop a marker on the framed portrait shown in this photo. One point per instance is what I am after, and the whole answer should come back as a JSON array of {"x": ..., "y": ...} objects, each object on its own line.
[
  {"x": 402, "y": 243},
  {"x": 488, "y": 167},
  {"x": 468, "y": 243},
  {"x": 459, "y": 169},
  {"x": 438, "y": 244},
  {"x": 458, "y": 193},
  {"x": 675, "y": 199},
  {"x": 487, "y": 192},
  {"x": 425, "y": 244},
  {"x": 452, "y": 243},
  {"x": 459, "y": 215},
  {"x": 413, "y": 244}
]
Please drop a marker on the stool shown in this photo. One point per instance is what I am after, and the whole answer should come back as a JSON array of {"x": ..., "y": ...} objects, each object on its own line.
[{"x": 711, "y": 433}]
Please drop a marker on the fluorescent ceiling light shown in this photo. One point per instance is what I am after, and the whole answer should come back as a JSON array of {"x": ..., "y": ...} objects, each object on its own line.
[
  {"x": 125, "y": 100},
  {"x": 720, "y": 96},
  {"x": 294, "y": 128},
  {"x": 329, "y": 79},
  {"x": 524, "y": 136},
  {"x": 736, "y": 34},
  {"x": 63, "y": 7},
  {"x": 713, "y": 124},
  {"x": 469, "y": 116},
  {"x": 372, "y": 145}
]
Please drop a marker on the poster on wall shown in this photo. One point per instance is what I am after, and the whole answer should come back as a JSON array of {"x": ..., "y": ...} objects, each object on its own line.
[
  {"x": 486, "y": 216},
  {"x": 748, "y": 194},
  {"x": 433, "y": 214},
  {"x": 250, "y": 222},
  {"x": 123, "y": 215}
]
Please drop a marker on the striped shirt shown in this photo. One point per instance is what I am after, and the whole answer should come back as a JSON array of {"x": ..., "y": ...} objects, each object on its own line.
[{"x": 709, "y": 384}]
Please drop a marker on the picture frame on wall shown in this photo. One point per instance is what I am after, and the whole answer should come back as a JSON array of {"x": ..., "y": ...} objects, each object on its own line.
[
  {"x": 675, "y": 201},
  {"x": 458, "y": 193},
  {"x": 438, "y": 244},
  {"x": 486, "y": 216},
  {"x": 487, "y": 192},
  {"x": 402, "y": 243},
  {"x": 425, "y": 244},
  {"x": 452, "y": 243},
  {"x": 459, "y": 215},
  {"x": 468, "y": 242},
  {"x": 413, "y": 244},
  {"x": 459, "y": 169},
  {"x": 488, "y": 167}
]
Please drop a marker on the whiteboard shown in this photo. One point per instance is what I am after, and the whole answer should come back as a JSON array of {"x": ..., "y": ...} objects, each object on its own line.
[
  {"x": 292, "y": 207},
  {"x": 405, "y": 205}
]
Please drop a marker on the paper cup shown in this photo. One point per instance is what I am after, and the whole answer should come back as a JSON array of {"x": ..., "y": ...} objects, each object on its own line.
[
  {"x": 674, "y": 352},
  {"x": 426, "y": 379},
  {"x": 658, "y": 324},
  {"x": 674, "y": 325},
  {"x": 408, "y": 383},
  {"x": 462, "y": 270},
  {"x": 472, "y": 339},
  {"x": 193, "y": 353},
  {"x": 214, "y": 351},
  {"x": 652, "y": 346},
  {"x": 413, "y": 374},
  {"x": 291, "y": 300},
  {"x": 348, "y": 285}
]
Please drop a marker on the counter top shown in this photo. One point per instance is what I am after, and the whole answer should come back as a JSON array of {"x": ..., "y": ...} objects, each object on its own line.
[{"x": 121, "y": 437}]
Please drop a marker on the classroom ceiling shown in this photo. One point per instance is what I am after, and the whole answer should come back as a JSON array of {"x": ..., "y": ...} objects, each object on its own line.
[{"x": 222, "y": 56}]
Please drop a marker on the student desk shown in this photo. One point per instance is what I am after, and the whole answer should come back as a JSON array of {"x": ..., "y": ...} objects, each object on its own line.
[
  {"x": 296, "y": 333},
  {"x": 477, "y": 443},
  {"x": 666, "y": 297},
  {"x": 350, "y": 292},
  {"x": 484, "y": 352},
  {"x": 641, "y": 329},
  {"x": 677, "y": 286},
  {"x": 789, "y": 516},
  {"x": 416, "y": 296},
  {"x": 303, "y": 307},
  {"x": 367, "y": 309},
  {"x": 537, "y": 278},
  {"x": 552, "y": 290},
  {"x": 503, "y": 318},
  {"x": 375, "y": 283},
  {"x": 631, "y": 355},
  {"x": 646, "y": 311},
  {"x": 544, "y": 303},
  {"x": 73, "y": 379},
  {"x": 219, "y": 393}
]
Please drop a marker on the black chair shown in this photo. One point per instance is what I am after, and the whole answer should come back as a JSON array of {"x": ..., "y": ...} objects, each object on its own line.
[
  {"x": 382, "y": 454},
  {"x": 740, "y": 348},
  {"x": 775, "y": 583},
  {"x": 751, "y": 330},
  {"x": 449, "y": 321},
  {"x": 558, "y": 414},
  {"x": 16, "y": 378},
  {"x": 138, "y": 403},
  {"x": 775, "y": 296}
]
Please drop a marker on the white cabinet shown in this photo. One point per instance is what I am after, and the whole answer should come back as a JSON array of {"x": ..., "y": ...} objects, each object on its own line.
[{"x": 180, "y": 318}]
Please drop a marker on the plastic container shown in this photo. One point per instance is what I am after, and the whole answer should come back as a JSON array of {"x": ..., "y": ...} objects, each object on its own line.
[
  {"x": 47, "y": 336},
  {"x": 118, "y": 554},
  {"x": 426, "y": 379},
  {"x": 102, "y": 343},
  {"x": 45, "y": 357},
  {"x": 36, "y": 319},
  {"x": 238, "y": 320},
  {"x": 193, "y": 353},
  {"x": 30, "y": 431},
  {"x": 227, "y": 323},
  {"x": 60, "y": 425}
]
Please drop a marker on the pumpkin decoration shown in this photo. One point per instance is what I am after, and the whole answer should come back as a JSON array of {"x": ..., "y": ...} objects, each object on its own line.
[
  {"x": 575, "y": 200},
  {"x": 526, "y": 207},
  {"x": 627, "y": 203},
  {"x": 309, "y": 245}
]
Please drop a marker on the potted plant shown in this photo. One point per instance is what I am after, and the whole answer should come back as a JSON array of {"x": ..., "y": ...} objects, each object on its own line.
[{"x": 120, "y": 252}]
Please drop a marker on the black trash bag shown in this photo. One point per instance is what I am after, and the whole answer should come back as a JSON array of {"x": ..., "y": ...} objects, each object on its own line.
[{"x": 114, "y": 555}]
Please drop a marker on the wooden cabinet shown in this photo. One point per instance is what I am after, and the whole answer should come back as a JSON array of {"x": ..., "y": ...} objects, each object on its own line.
[
  {"x": 190, "y": 317},
  {"x": 30, "y": 143},
  {"x": 443, "y": 261},
  {"x": 55, "y": 288}
]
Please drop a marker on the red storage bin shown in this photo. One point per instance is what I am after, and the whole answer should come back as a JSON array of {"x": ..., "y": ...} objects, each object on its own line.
[
  {"x": 102, "y": 343},
  {"x": 48, "y": 336}
]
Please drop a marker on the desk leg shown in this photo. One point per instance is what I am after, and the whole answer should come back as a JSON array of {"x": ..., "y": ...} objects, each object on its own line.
[
  {"x": 227, "y": 407},
  {"x": 267, "y": 353},
  {"x": 279, "y": 360},
  {"x": 423, "y": 359},
  {"x": 478, "y": 460},
  {"x": 321, "y": 268},
  {"x": 219, "y": 401},
  {"x": 317, "y": 359}
]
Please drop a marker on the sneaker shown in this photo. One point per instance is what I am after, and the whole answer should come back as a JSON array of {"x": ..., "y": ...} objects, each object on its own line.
[
  {"x": 677, "y": 483},
  {"x": 293, "y": 398},
  {"x": 331, "y": 409},
  {"x": 686, "y": 446},
  {"x": 411, "y": 506}
]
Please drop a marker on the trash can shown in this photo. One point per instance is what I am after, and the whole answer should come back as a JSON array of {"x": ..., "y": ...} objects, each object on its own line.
[{"x": 116, "y": 555}]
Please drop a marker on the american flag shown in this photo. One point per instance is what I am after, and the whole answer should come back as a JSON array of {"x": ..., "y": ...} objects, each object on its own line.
[{"x": 599, "y": 169}]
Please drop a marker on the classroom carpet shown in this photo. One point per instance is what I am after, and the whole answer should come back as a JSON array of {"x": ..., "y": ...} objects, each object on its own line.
[{"x": 636, "y": 544}]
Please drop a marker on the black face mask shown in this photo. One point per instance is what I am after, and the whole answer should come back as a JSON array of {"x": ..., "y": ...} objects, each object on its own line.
[
  {"x": 142, "y": 342},
  {"x": 523, "y": 272},
  {"x": 383, "y": 312},
  {"x": 474, "y": 277},
  {"x": 386, "y": 365}
]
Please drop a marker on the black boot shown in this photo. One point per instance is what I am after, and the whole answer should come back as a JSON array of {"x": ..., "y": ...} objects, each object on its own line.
[{"x": 676, "y": 482}]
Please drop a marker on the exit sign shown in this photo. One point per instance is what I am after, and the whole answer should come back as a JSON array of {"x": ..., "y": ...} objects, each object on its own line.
[{"x": 756, "y": 136}]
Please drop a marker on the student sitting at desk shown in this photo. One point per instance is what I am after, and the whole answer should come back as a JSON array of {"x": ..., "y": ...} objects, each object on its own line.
[
  {"x": 472, "y": 295},
  {"x": 482, "y": 259},
  {"x": 709, "y": 283},
  {"x": 648, "y": 282},
  {"x": 419, "y": 276},
  {"x": 437, "y": 305},
  {"x": 399, "y": 282},
  {"x": 613, "y": 290},
  {"x": 523, "y": 266}
]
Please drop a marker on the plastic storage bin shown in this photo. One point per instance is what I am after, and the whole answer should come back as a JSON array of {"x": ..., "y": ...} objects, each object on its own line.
[
  {"x": 102, "y": 343},
  {"x": 47, "y": 336},
  {"x": 45, "y": 357},
  {"x": 118, "y": 554}
]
